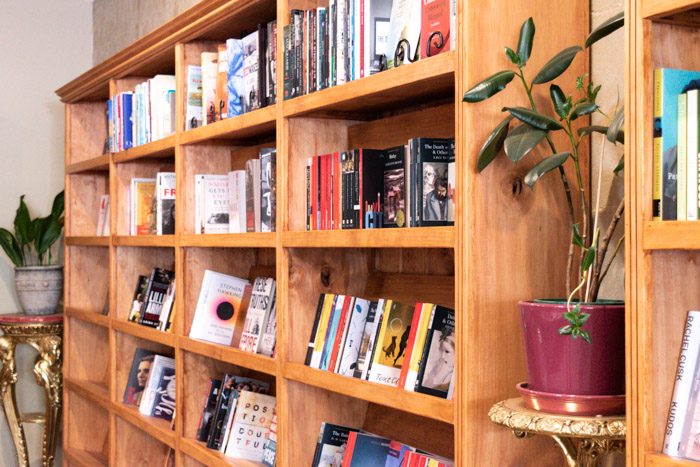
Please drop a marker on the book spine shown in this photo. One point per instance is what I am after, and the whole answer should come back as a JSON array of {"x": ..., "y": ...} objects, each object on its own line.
[
  {"x": 374, "y": 337},
  {"x": 690, "y": 143},
  {"x": 287, "y": 77},
  {"x": 314, "y": 331},
  {"x": 683, "y": 164},
  {"x": 308, "y": 193},
  {"x": 339, "y": 341},
  {"x": 410, "y": 344},
  {"x": 657, "y": 180}
]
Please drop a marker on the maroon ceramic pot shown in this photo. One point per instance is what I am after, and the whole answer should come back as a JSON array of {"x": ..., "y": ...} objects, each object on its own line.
[{"x": 563, "y": 365}]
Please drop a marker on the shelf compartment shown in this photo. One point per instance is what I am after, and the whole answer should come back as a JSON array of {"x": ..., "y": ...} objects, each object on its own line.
[
  {"x": 95, "y": 392},
  {"x": 85, "y": 339},
  {"x": 144, "y": 332},
  {"x": 240, "y": 240},
  {"x": 671, "y": 235},
  {"x": 230, "y": 355},
  {"x": 92, "y": 317},
  {"x": 83, "y": 458},
  {"x": 257, "y": 124},
  {"x": 416, "y": 83},
  {"x": 164, "y": 147},
  {"x": 130, "y": 439},
  {"x": 199, "y": 452},
  {"x": 87, "y": 292},
  {"x": 156, "y": 241},
  {"x": 682, "y": 13},
  {"x": 662, "y": 460},
  {"x": 87, "y": 241},
  {"x": 418, "y": 404},
  {"x": 83, "y": 412},
  {"x": 418, "y": 237},
  {"x": 96, "y": 164},
  {"x": 83, "y": 192},
  {"x": 86, "y": 132}
]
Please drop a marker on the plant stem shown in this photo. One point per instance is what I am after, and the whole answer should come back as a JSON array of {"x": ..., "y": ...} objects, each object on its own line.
[
  {"x": 615, "y": 252},
  {"x": 603, "y": 248},
  {"x": 579, "y": 179}
]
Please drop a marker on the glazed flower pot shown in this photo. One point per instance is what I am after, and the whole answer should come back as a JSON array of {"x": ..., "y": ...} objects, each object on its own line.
[
  {"x": 562, "y": 365},
  {"x": 39, "y": 288}
]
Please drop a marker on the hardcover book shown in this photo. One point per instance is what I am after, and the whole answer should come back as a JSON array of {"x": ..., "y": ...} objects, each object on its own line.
[
  {"x": 165, "y": 203},
  {"x": 157, "y": 290},
  {"x": 251, "y": 424},
  {"x": 237, "y": 201},
  {"x": 211, "y": 201},
  {"x": 138, "y": 376},
  {"x": 366, "y": 449},
  {"x": 142, "y": 206},
  {"x": 252, "y": 186},
  {"x": 394, "y": 205},
  {"x": 235, "y": 83},
  {"x": 193, "y": 112},
  {"x": 209, "y": 74},
  {"x": 268, "y": 189},
  {"x": 222, "y": 298},
  {"x": 331, "y": 445},
  {"x": 158, "y": 376},
  {"x": 435, "y": 17},
  {"x": 262, "y": 301},
  {"x": 391, "y": 343},
  {"x": 205, "y": 420},
  {"x": 251, "y": 68},
  {"x": 438, "y": 360}
]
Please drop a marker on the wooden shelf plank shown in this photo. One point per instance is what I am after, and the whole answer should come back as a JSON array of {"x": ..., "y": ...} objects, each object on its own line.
[
  {"x": 671, "y": 235},
  {"x": 156, "y": 427},
  {"x": 656, "y": 459},
  {"x": 144, "y": 332},
  {"x": 662, "y": 9},
  {"x": 87, "y": 241},
  {"x": 89, "y": 390},
  {"x": 411, "y": 83},
  {"x": 199, "y": 451},
  {"x": 412, "y": 402},
  {"x": 419, "y": 237},
  {"x": 249, "y": 125},
  {"x": 92, "y": 317},
  {"x": 99, "y": 163},
  {"x": 162, "y": 148},
  {"x": 83, "y": 458},
  {"x": 145, "y": 240},
  {"x": 231, "y": 355},
  {"x": 243, "y": 240}
]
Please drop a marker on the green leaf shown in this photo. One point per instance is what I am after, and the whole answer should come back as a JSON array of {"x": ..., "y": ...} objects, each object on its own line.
[
  {"x": 586, "y": 336},
  {"x": 583, "y": 131},
  {"x": 527, "y": 34},
  {"x": 490, "y": 86},
  {"x": 588, "y": 259},
  {"x": 23, "y": 224},
  {"x": 544, "y": 166},
  {"x": 50, "y": 232},
  {"x": 559, "y": 101},
  {"x": 565, "y": 330},
  {"x": 620, "y": 166},
  {"x": 593, "y": 92},
  {"x": 11, "y": 247},
  {"x": 584, "y": 317},
  {"x": 521, "y": 141},
  {"x": 557, "y": 65},
  {"x": 512, "y": 56},
  {"x": 583, "y": 109},
  {"x": 608, "y": 27},
  {"x": 493, "y": 144},
  {"x": 616, "y": 125},
  {"x": 534, "y": 119},
  {"x": 58, "y": 205},
  {"x": 576, "y": 238}
]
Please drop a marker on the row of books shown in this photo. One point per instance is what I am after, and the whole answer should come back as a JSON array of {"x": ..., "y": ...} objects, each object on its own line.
[
  {"x": 151, "y": 205},
  {"x": 349, "y": 447},
  {"x": 143, "y": 115},
  {"x": 233, "y": 312},
  {"x": 240, "y": 201},
  {"x": 386, "y": 342},
  {"x": 351, "y": 39},
  {"x": 403, "y": 186},
  {"x": 103, "y": 224},
  {"x": 676, "y": 145},
  {"x": 154, "y": 300},
  {"x": 151, "y": 384},
  {"x": 237, "y": 78},
  {"x": 237, "y": 418}
]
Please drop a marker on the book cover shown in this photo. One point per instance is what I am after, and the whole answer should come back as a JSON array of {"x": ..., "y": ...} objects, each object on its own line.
[
  {"x": 251, "y": 66},
  {"x": 271, "y": 68},
  {"x": 262, "y": 301},
  {"x": 166, "y": 316},
  {"x": 102, "y": 216},
  {"x": 331, "y": 445},
  {"x": 350, "y": 201},
  {"x": 353, "y": 337},
  {"x": 165, "y": 203},
  {"x": 235, "y": 84},
  {"x": 205, "y": 420},
  {"x": 438, "y": 360},
  {"x": 371, "y": 188},
  {"x": 161, "y": 365},
  {"x": 341, "y": 332},
  {"x": 268, "y": 340},
  {"x": 138, "y": 298},
  {"x": 164, "y": 401},
  {"x": 213, "y": 201},
  {"x": 683, "y": 162},
  {"x": 451, "y": 191},
  {"x": 398, "y": 454},
  {"x": 426, "y": 312},
  {"x": 394, "y": 206},
  {"x": 193, "y": 111},
  {"x": 225, "y": 402},
  {"x": 237, "y": 201},
  {"x": 251, "y": 424},
  {"x": 320, "y": 339},
  {"x": 435, "y": 17},
  {"x": 222, "y": 82},
  {"x": 332, "y": 330},
  {"x": 374, "y": 339},
  {"x": 268, "y": 189},
  {"x": 366, "y": 343},
  {"x": 142, "y": 206},
  {"x": 432, "y": 159},
  {"x": 404, "y": 23},
  {"x": 391, "y": 344},
  {"x": 210, "y": 71},
  {"x": 365, "y": 449},
  {"x": 157, "y": 290},
  {"x": 415, "y": 324},
  {"x": 221, "y": 300},
  {"x": 689, "y": 138},
  {"x": 138, "y": 376},
  {"x": 314, "y": 330},
  {"x": 252, "y": 186}
]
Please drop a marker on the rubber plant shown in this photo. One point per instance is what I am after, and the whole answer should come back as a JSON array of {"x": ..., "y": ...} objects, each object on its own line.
[
  {"x": 30, "y": 243},
  {"x": 526, "y": 127}
]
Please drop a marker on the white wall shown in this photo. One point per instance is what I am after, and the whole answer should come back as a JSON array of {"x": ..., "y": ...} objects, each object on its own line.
[{"x": 45, "y": 44}]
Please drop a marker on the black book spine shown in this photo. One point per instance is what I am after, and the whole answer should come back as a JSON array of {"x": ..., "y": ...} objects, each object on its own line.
[
  {"x": 287, "y": 91},
  {"x": 262, "y": 64},
  {"x": 219, "y": 416},
  {"x": 314, "y": 330},
  {"x": 356, "y": 191}
]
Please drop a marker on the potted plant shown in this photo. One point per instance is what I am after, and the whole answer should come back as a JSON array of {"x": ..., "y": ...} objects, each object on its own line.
[
  {"x": 38, "y": 282},
  {"x": 574, "y": 346}
]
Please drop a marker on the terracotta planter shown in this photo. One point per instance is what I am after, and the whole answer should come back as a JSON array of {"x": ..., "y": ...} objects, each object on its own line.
[
  {"x": 39, "y": 288},
  {"x": 562, "y": 365}
]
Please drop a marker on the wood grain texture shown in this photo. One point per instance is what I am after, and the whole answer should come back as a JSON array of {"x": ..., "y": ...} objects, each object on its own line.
[
  {"x": 162, "y": 148},
  {"x": 86, "y": 131},
  {"x": 668, "y": 10},
  {"x": 96, "y": 164},
  {"x": 422, "y": 237},
  {"x": 141, "y": 441},
  {"x": 84, "y": 412},
  {"x": 88, "y": 292},
  {"x": 87, "y": 353},
  {"x": 661, "y": 460},
  {"x": 83, "y": 192}
]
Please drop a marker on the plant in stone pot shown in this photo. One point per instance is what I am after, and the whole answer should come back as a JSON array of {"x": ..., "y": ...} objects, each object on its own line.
[
  {"x": 38, "y": 282},
  {"x": 574, "y": 345}
]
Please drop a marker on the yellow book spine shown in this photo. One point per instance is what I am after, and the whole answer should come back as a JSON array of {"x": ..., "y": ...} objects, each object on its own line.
[
  {"x": 417, "y": 352},
  {"x": 322, "y": 328},
  {"x": 382, "y": 332}
]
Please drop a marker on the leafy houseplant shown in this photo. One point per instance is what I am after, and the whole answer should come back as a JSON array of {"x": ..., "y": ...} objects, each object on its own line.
[
  {"x": 37, "y": 281},
  {"x": 527, "y": 127}
]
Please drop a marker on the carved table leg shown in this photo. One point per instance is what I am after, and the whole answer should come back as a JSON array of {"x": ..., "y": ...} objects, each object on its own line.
[
  {"x": 8, "y": 378},
  {"x": 591, "y": 451},
  {"x": 568, "y": 447},
  {"x": 48, "y": 370}
]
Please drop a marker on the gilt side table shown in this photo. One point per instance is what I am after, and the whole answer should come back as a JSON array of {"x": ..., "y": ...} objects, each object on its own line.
[
  {"x": 583, "y": 440},
  {"x": 45, "y": 334}
]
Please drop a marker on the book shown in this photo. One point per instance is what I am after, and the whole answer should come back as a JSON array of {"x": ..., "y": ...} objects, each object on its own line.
[
  {"x": 366, "y": 343},
  {"x": 391, "y": 343},
  {"x": 251, "y": 424},
  {"x": 138, "y": 376},
  {"x": 409, "y": 374},
  {"x": 138, "y": 298},
  {"x": 365, "y": 449},
  {"x": 211, "y": 203},
  {"x": 156, "y": 291},
  {"x": 262, "y": 301},
  {"x": 682, "y": 207},
  {"x": 235, "y": 85},
  {"x": 436, "y": 16},
  {"x": 687, "y": 361},
  {"x": 162, "y": 372},
  {"x": 371, "y": 170},
  {"x": 332, "y": 330},
  {"x": 193, "y": 110},
  {"x": 102, "y": 216},
  {"x": 320, "y": 337},
  {"x": 331, "y": 445},
  {"x": 165, "y": 203},
  {"x": 209, "y": 76},
  {"x": 222, "y": 82},
  {"x": 353, "y": 337},
  {"x": 340, "y": 334},
  {"x": 166, "y": 314},
  {"x": 237, "y": 201},
  {"x": 438, "y": 359},
  {"x": 224, "y": 403},
  {"x": 404, "y": 23},
  {"x": 688, "y": 138},
  {"x": 143, "y": 221},
  {"x": 268, "y": 189},
  {"x": 372, "y": 349},
  {"x": 206, "y": 419},
  {"x": 222, "y": 298},
  {"x": 398, "y": 454},
  {"x": 271, "y": 65},
  {"x": 268, "y": 340},
  {"x": 394, "y": 206},
  {"x": 251, "y": 70},
  {"x": 164, "y": 400},
  {"x": 431, "y": 159},
  {"x": 252, "y": 184},
  {"x": 270, "y": 448}
]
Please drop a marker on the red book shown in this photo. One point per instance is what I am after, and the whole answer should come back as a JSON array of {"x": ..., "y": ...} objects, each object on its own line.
[
  {"x": 314, "y": 193},
  {"x": 409, "y": 345},
  {"x": 337, "y": 216},
  {"x": 352, "y": 439},
  {"x": 322, "y": 182},
  {"x": 329, "y": 201},
  {"x": 339, "y": 341},
  {"x": 435, "y": 16}
]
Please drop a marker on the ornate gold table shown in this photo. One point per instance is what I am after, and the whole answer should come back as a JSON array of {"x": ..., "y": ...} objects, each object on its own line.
[
  {"x": 583, "y": 440},
  {"x": 45, "y": 334}
]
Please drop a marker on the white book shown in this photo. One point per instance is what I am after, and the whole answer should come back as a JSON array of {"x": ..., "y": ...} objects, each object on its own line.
[
  {"x": 692, "y": 155},
  {"x": 373, "y": 338},
  {"x": 209, "y": 75},
  {"x": 160, "y": 86},
  {"x": 262, "y": 300},
  {"x": 341, "y": 40},
  {"x": 167, "y": 308},
  {"x": 193, "y": 112},
  {"x": 342, "y": 334},
  {"x": 687, "y": 361},
  {"x": 684, "y": 176},
  {"x": 251, "y": 70},
  {"x": 106, "y": 229},
  {"x": 165, "y": 203},
  {"x": 198, "y": 196},
  {"x": 160, "y": 363},
  {"x": 268, "y": 340},
  {"x": 251, "y": 425},
  {"x": 353, "y": 337},
  {"x": 236, "y": 201},
  {"x": 211, "y": 193},
  {"x": 102, "y": 216},
  {"x": 252, "y": 185}
]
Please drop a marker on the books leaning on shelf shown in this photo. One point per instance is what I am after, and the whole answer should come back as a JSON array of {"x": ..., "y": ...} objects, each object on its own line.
[
  {"x": 151, "y": 384},
  {"x": 154, "y": 300},
  {"x": 237, "y": 418},
  {"x": 151, "y": 205},
  {"x": 403, "y": 186},
  {"x": 351, "y": 39},
  {"x": 103, "y": 217},
  {"x": 240, "y": 201},
  {"x": 350, "y": 447},
  {"x": 386, "y": 342}
]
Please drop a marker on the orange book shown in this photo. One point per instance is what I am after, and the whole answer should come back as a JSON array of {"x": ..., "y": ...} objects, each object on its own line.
[
  {"x": 435, "y": 17},
  {"x": 339, "y": 339}
]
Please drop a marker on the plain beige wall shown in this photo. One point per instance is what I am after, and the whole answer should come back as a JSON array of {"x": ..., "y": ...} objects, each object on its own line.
[{"x": 45, "y": 43}]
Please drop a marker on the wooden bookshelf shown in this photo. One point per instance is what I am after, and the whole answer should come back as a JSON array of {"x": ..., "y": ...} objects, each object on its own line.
[{"x": 473, "y": 266}]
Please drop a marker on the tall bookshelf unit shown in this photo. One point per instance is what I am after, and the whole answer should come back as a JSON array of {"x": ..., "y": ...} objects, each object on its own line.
[
  {"x": 662, "y": 258},
  {"x": 482, "y": 266}
]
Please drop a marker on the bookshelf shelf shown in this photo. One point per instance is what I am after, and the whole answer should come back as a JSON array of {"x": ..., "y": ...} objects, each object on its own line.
[
  {"x": 162, "y": 241},
  {"x": 89, "y": 390},
  {"x": 83, "y": 458},
  {"x": 163, "y": 148},
  {"x": 199, "y": 451},
  {"x": 418, "y": 404},
  {"x": 97, "y": 164},
  {"x": 671, "y": 235},
  {"x": 92, "y": 317},
  {"x": 144, "y": 332},
  {"x": 87, "y": 241},
  {"x": 157, "y": 428},
  {"x": 419, "y": 237},
  {"x": 242, "y": 240},
  {"x": 662, "y": 460},
  {"x": 676, "y": 11},
  {"x": 250, "y": 125},
  {"x": 231, "y": 355},
  {"x": 413, "y": 83}
]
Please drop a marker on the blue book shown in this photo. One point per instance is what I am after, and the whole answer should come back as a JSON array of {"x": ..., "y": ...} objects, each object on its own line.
[
  {"x": 235, "y": 83},
  {"x": 127, "y": 124},
  {"x": 333, "y": 321},
  {"x": 366, "y": 450},
  {"x": 110, "y": 127}
]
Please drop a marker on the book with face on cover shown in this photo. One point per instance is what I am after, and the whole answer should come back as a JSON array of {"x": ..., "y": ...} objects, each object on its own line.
[
  {"x": 161, "y": 374},
  {"x": 438, "y": 359},
  {"x": 222, "y": 301},
  {"x": 138, "y": 376}
]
